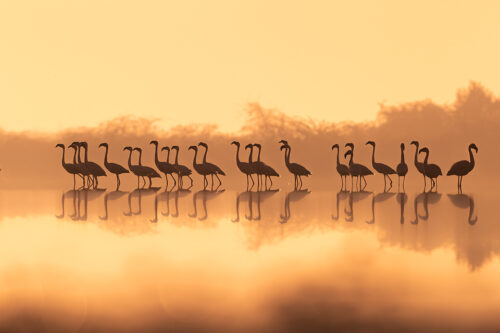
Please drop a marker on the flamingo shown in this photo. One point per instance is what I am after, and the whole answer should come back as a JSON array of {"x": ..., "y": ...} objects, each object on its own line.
[
  {"x": 296, "y": 169},
  {"x": 93, "y": 168},
  {"x": 145, "y": 170},
  {"x": 342, "y": 169},
  {"x": 462, "y": 168},
  {"x": 402, "y": 168},
  {"x": 70, "y": 168},
  {"x": 381, "y": 167},
  {"x": 205, "y": 169},
  {"x": 214, "y": 169},
  {"x": 136, "y": 170},
  {"x": 264, "y": 169},
  {"x": 162, "y": 166},
  {"x": 356, "y": 169},
  {"x": 432, "y": 171},
  {"x": 84, "y": 172},
  {"x": 418, "y": 165},
  {"x": 181, "y": 170},
  {"x": 244, "y": 167},
  {"x": 115, "y": 168}
]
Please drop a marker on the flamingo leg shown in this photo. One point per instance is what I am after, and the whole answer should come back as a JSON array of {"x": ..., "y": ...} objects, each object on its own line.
[
  {"x": 117, "y": 181},
  {"x": 404, "y": 178},
  {"x": 173, "y": 178},
  {"x": 220, "y": 182},
  {"x": 212, "y": 176}
]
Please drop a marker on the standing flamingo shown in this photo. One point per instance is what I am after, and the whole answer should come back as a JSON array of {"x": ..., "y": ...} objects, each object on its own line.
[
  {"x": 381, "y": 167},
  {"x": 115, "y": 168},
  {"x": 171, "y": 169},
  {"x": 243, "y": 166},
  {"x": 146, "y": 170},
  {"x": 215, "y": 170},
  {"x": 418, "y": 165},
  {"x": 462, "y": 168},
  {"x": 402, "y": 168},
  {"x": 342, "y": 169},
  {"x": 296, "y": 169},
  {"x": 163, "y": 166},
  {"x": 264, "y": 169},
  {"x": 181, "y": 170},
  {"x": 432, "y": 171},
  {"x": 205, "y": 169},
  {"x": 71, "y": 168},
  {"x": 93, "y": 168},
  {"x": 356, "y": 169},
  {"x": 136, "y": 170}
]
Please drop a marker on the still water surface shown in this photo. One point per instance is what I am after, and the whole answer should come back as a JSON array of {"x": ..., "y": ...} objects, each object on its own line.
[{"x": 146, "y": 260}]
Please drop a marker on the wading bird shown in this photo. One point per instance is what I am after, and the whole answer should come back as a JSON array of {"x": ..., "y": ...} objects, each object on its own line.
[
  {"x": 136, "y": 170},
  {"x": 93, "y": 168},
  {"x": 114, "y": 168},
  {"x": 296, "y": 169},
  {"x": 181, "y": 170},
  {"x": 462, "y": 168},
  {"x": 402, "y": 168},
  {"x": 206, "y": 169},
  {"x": 418, "y": 165},
  {"x": 71, "y": 168},
  {"x": 381, "y": 167},
  {"x": 356, "y": 169},
  {"x": 244, "y": 167},
  {"x": 342, "y": 169},
  {"x": 432, "y": 171},
  {"x": 264, "y": 169},
  {"x": 146, "y": 170}
]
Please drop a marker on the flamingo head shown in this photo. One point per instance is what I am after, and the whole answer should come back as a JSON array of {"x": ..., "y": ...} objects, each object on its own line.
[
  {"x": 175, "y": 147},
  {"x": 60, "y": 145},
  {"x": 424, "y": 150},
  {"x": 83, "y": 144},
  {"x": 193, "y": 148},
  {"x": 154, "y": 142},
  {"x": 73, "y": 145},
  {"x": 370, "y": 143},
  {"x": 414, "y": 143},
  {"x": 127, "y": 148},
  {"x": 284, "y": 142},
  {"x": 335, "y": 146},
  {"x": 165, "y": 148},
  {"x": 349, "y": 144},
  {"x": 349, "y": 152},
  {"x": 258, "y": 145},
  {"x": 285, "y": 146},
  {"x": 235, "y": 143},
  {"x": 138, "y": 149},
  {"x": 402, "y": 146},
  {"x": 248, "y": 146},
  {"x": 473, "y": 146},
  {"x": 203, "y": 144},
  {"x": 104, "y": 144}
]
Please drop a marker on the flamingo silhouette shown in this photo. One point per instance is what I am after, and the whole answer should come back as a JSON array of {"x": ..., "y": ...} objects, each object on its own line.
[
  {"x": 462, "y": 168},
  {"x": 164, "y": 167},
  {"x": 84, "y": 172},
  {"x": 146, "y": 170},
  {"x": 342, "y": 169},
  {"x": 181, "y": 170},
  {"x": 356, "y": 169},
  {"x": 93, "y": 168},
  {"x": 418, "y": 165},
  {"x": 381, "y": 167},
  {"x": 70, "y": 168},
  {"x": 402, "y": 168},
  {"x": 432, "y": 171},
  {"x": 136, "y": 170},
  {"x": 264, "y": 169},
  {"x": 205, "y": 169},
  {"x": 243, "y": 166},
  {"x": 214, "y": 169},
  {"x": 296, "y": 169},
  {"x": 114, "y": 168}
]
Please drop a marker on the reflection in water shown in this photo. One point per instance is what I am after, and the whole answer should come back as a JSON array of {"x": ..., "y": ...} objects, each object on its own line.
[
  {"x": 377, "y": 198},
  {"x": 341, "y": 195},
  {"x": 402, "y": 198},
  {"x": 114, "y": 195},
  {"x": 464, "y": 201},
  {"x": 354, "y": 197},
  {"x": 205, "y": 196},
  {"x": 292, "y": 196}
]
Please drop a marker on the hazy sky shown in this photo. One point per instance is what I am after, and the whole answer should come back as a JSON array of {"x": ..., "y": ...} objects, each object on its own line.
[{"x": 69, "y": 63}]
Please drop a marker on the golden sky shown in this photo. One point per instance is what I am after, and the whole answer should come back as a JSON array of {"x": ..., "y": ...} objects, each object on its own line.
[{"x": 70, "y": 63}]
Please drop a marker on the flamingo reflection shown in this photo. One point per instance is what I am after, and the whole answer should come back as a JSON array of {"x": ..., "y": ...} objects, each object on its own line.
[
  {"x": 464, "y": 201},
  {"x": 292, "y": 196}
]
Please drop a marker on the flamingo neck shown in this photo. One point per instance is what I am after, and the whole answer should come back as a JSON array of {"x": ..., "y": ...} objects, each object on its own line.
[
  {"x": 79, "y": 155},
  {"x": 338, "y": 160},
  {"x": 168, "y": 156},
  {"x": 402, "y": 156},
  {"x": 426, "y": 158},
  {"x": 194, "y": 158},
  {"x": 106, "y": 155},
  {"x": 63, "y": 151},
  {"x": 157, "y": 161},
  {"x": 350, "y": 159},
  {"x": 416, "y": 154},
  {"x": 140, "y": 157},
  {"x": 471, "y": 156},
  {"x": 287, "y": 155},
  {"x": 250, "y": 155},
  {"x": 205, "y": 155},
  {"x": 258, "y": 156},
  {"x": 373, "y": 155},
  {"x": 74, "y": 156},
  {"x": 130, "y": 159},
  {"x": 86, "y": 155},
  {"x": 176, "y": 156},
  {"x": 237, "y": 154}
]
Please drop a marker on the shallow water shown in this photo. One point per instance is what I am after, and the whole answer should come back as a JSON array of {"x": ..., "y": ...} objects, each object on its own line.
[{"x": 276, "y": 261}]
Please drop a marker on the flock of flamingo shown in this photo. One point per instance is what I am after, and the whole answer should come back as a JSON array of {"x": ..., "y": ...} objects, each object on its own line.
[{"x": 90, "y": 171}]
